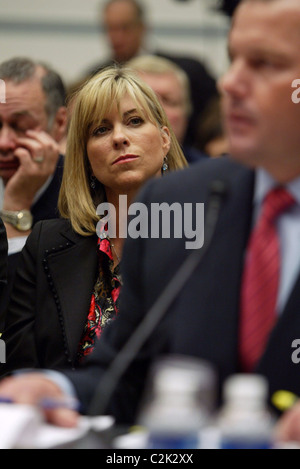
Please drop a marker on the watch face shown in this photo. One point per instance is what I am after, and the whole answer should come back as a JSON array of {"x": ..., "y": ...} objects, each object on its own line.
[{"x": 24, "y": 220}]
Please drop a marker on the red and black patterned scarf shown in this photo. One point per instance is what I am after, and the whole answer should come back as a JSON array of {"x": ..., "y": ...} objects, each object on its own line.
[{"x": 104, "y": 304}]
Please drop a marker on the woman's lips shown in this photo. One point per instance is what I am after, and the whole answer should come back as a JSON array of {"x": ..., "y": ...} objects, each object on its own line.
[{"x": 125, "y": 159}]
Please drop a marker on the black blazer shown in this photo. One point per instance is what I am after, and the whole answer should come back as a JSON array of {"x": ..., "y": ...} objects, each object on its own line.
[
  {"x": 45, "y": 208},
  {"x": 50, "y": 298},
  {"x": 203, "y": 319}
]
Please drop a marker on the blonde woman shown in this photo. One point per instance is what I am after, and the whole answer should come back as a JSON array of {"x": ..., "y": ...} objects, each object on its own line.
[{"x": 67, "y": 288}]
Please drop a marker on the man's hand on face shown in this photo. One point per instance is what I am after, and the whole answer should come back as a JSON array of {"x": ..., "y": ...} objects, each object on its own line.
[{"x": 38, "y": 154}]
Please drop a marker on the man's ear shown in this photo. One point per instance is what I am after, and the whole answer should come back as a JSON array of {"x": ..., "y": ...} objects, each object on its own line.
[{"x": 60, "y": 124}]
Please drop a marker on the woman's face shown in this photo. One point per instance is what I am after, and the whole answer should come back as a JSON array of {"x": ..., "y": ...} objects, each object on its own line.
[{"x": 126, "y": 149}]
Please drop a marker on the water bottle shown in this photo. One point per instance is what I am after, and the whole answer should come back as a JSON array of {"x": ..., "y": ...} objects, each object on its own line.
[
  {"x": 182, "y": 400},
  {"x": 245, "y": 421}
]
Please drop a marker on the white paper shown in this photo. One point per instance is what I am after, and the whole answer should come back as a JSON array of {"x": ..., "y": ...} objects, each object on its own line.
[{"x": 23, "y": 426}]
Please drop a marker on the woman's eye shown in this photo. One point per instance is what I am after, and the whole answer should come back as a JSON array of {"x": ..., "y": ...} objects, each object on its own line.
[
  {"x": 136, "y": 121},
  {"x": 100, "y": 130}
]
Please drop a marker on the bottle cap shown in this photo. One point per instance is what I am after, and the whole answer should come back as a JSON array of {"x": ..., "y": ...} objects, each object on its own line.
[{"x": 245, "y": 388}]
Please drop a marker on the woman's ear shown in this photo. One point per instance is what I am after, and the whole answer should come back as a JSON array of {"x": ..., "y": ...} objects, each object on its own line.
[{"x": 166, "y": 139}]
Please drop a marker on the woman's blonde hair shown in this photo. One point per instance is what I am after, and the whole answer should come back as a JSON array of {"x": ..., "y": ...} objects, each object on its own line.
[{"x": 77, "y": 201}]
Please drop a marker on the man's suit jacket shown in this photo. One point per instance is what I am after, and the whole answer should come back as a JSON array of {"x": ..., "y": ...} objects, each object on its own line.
[
  {"x": 45, "y": 208},
  {"x": 50, "y": 298},
  {"x": 203, "y": 320}
]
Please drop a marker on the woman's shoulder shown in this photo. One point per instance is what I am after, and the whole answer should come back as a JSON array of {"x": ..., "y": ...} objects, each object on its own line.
[
  {"x": 51, "y": 232},
  {"x": 53, "y": 225}
]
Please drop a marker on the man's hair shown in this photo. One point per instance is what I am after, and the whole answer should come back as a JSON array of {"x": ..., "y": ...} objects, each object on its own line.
[
  {"x": 139, "y": 8},
  {"x": 21, "y": 69}
]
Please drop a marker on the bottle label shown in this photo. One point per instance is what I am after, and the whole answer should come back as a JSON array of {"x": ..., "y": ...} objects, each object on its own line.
[
  {"x": 236, "y": 443},
  {"x": 173, "y": 442}
]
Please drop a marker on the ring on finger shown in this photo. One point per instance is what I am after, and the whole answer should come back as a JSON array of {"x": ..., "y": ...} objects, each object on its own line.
[{"x": 38, "y": 159}]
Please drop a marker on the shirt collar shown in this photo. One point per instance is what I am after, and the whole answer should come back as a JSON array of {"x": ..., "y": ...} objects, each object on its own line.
[{"x": 264, "y": 182}]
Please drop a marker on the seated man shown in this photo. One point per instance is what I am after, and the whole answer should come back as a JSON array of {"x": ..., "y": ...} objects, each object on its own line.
[{"x": 33, "y": 121}]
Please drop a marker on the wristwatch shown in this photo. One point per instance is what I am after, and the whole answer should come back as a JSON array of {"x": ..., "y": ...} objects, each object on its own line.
[{"x": 20, "y": 219}]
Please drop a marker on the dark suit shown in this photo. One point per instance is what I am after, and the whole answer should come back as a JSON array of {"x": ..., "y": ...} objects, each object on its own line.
[
  {"x": 193, "y": 155},
  {"x": 51, "y": 297},
  {"x": 44, "y": 208},
  {"x": 204, "y": 318}
]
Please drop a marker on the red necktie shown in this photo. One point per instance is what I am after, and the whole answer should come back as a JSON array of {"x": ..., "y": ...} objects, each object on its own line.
[{"x": 261, "y": 279}]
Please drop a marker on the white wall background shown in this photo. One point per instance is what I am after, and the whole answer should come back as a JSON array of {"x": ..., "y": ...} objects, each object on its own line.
[{"x": 66, "y": 33}]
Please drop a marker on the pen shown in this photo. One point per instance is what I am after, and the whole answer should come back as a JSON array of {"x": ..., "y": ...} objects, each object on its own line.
[
  {"x": 49, "y": 403},
  {"x": 6, "y": 400}
]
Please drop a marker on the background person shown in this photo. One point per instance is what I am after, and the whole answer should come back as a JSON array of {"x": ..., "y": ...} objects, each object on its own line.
[
  {"x": 211, "y": 137},
  {"x": 172, "y": 87},
  {"x": 125, "y": 25},
  {"x": 33, "y": 122}
]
